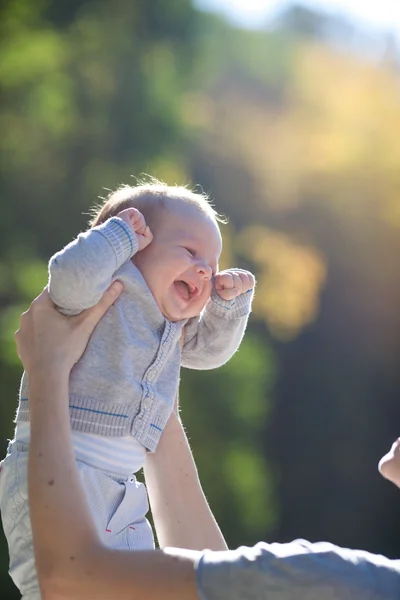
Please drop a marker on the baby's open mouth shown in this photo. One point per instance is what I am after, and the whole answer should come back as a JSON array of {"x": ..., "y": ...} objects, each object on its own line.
[{"x": 185, "y": 289}]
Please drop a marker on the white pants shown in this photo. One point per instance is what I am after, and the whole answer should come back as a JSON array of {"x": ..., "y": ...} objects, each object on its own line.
[{"x": 118, "y": 505}]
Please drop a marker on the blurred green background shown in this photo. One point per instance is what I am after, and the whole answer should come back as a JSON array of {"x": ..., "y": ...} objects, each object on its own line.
[{"x": 294, "y": 131}]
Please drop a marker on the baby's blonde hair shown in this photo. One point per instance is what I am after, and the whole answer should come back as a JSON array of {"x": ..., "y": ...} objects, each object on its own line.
[{"x": 151, "y": 197}]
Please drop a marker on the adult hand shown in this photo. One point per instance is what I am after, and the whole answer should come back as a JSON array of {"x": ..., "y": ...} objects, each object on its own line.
[{"x": 48, "y": 340}]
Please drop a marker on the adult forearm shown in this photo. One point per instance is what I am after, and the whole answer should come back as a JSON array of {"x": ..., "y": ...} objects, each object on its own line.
[
  {"x": 61, "y": 522},
  {"x": 71, "y": 562},
  {"x": 180, "y": 509}
]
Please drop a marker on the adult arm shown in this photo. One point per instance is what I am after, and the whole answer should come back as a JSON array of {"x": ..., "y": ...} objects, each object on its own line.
[
  {"x": 181, "y": 513},
  {"x": 71, "y": 562},
  {"x": 81, "y": 272},
  {"x": 298, "y": 569},
  {"x": 70, "y": 559},
  {"x": 211, "y": 339}
]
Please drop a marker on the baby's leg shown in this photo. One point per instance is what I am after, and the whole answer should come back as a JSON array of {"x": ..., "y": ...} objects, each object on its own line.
[
  {"x": 389, "y": 465},
  {"x": 119, "y": 506}
]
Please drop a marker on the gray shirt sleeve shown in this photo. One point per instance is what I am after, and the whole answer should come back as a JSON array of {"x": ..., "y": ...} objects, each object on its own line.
[
  {"x": 297, "y": 570},
  {"x": 81, "y": 272},
  {"x": 211, "y": 339}
]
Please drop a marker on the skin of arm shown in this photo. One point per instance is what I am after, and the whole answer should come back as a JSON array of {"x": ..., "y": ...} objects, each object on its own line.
[
  {"x": 181, "y": 514},
  {"x": 71, "y": 562}
]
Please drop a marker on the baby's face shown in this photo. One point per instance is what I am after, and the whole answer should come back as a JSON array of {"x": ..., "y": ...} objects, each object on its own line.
[
  {"x": 389, "y": 465},
  {"x": 180, "y": 262}
]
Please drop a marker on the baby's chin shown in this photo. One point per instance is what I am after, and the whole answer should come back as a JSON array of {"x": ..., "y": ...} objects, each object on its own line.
[
  {"x": 174, "y": 315},
  {"x": 184, "y": 315}
]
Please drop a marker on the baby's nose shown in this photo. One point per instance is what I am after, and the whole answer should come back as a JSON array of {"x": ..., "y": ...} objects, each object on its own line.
[{"x": 204, "y": 270}]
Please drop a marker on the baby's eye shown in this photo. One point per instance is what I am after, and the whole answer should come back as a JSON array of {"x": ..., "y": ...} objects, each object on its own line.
[{"x": 191, "y": 252}]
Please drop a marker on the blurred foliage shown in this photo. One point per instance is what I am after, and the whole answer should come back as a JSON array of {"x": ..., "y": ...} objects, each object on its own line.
[
  {"x": 295, "y": 135},
  {"x": 226, "y": 435}
]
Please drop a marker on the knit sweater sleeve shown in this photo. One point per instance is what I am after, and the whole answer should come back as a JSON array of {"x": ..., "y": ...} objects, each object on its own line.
[
  {"x": 297, "y": 569},
  {"x": 211, "y": 339},
  {"x": 81, "y": 272}
]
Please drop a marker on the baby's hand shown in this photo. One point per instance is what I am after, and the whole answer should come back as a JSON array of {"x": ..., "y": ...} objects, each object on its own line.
[
  {"x": 233, "y": 282},
  {"x": 136, "y": 220}
]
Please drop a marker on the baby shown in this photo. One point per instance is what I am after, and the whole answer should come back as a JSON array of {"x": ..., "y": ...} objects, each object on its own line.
[{"x": 163, "y": 243}]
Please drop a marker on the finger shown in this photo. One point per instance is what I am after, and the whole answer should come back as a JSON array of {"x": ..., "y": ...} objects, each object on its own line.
[
  {"x": 137, "y": 218},
  {"x": 237, "y": 281},
  {"x": 135, "y": 213},
  {"x": 144, "y": 239},
  {"x": 235, "y": 288},
  {"x": 43, "y": 300},
  {"x": 92, "y": 315},
  {"x": 147, "y": 232},
  {"x": 138, "y": 222},
  {"x": 109, "y": 297},
  {"x": 230, "y": 279},
  {"x": 228, "y": 294},
  {"x": 40, "y": 302},
  {"x": 247, "y": 280},
  {"x": 224, "y": 281}
]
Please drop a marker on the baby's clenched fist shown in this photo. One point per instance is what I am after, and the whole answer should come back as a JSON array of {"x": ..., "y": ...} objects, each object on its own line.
[
  {"x": 136, "y": 220},
  {"x": 233, "y": 282}
]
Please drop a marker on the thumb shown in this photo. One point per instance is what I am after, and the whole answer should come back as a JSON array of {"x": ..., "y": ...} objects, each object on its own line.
[
  {"x": 93, "y": 315},
  {"x": 147, "y": 232},
  {"x": 109, "y": 297},
  {"x": 220, "y": 283}
]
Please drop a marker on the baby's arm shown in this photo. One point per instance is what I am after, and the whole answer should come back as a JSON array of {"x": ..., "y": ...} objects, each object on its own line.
[
  {"x": 81, "y": 272},
  {"x": 211, "y": 339}
]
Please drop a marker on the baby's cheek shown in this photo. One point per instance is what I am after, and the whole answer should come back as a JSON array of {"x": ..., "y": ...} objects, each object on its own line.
[
  {"x": 207, "y": 290},
  {"x": 204, "y": 297}
]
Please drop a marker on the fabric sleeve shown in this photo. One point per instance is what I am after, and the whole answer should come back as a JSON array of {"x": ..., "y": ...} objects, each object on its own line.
[
  {"x": 211, "y": 339},
  {"x": 81, "y": 272},
  {"x": 297, "y": 570}
]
